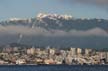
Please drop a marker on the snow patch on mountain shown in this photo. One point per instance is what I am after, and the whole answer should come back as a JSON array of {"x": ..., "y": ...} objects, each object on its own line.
[{"x": 40, "y": 16}]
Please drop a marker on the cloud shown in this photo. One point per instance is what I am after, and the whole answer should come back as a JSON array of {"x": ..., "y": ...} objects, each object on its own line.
[
  {"x": 95, "y": 32},
  {"x": 14, "y": 30},
  {"x": 22, "y": 30}
]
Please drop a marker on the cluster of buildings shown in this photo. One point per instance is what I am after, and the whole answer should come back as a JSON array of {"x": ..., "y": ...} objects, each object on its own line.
[{"x": 48, "y": 55}]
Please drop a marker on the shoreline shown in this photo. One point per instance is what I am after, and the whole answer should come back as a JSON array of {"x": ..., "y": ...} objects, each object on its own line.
[{"x": 49, "y": 65}]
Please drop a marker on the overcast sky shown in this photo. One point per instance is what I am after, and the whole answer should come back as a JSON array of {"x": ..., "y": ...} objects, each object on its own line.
[{"x": 76, "y": 8}]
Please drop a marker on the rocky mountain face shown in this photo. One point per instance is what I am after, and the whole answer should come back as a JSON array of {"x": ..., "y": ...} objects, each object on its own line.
[
  {"x": 55, "y": 30},
  {"x": 60, "y": 22}
]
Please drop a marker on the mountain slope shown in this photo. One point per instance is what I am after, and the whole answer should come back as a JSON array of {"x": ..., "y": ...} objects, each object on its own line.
[{"x": 55, "y": 30}]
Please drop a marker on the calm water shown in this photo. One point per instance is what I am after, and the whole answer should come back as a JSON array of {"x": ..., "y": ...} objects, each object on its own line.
[{"x": 53, "y": 68}]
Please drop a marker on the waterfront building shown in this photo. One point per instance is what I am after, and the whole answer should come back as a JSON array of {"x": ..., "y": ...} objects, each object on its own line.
[
  {"x": 49, "y": 61},
  {"x": 20, "y": 61},
  {"x": 68, "y": 60}
]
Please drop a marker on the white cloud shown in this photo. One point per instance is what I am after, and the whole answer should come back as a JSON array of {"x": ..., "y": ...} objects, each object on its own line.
[
  {"x": 43, "y": 32},
  {"x": 95, "y": 31}
]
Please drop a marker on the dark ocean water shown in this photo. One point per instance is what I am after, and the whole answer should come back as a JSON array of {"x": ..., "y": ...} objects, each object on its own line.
[{"x": 53, "y": 68}]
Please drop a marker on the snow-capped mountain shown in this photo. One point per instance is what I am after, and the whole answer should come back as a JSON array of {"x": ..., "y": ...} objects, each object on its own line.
[
  {"x": 53, "y": 16},
  {"x": 59, "y": 22},
  {"x": 55, "y": 30}
]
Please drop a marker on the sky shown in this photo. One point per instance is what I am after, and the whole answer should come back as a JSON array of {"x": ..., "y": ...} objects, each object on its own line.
[{"x": 76, "y": 8}]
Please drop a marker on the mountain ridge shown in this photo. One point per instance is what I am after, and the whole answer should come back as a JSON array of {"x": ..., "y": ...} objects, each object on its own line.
[
  {"x": 55, "y": 30},
  {"x": 62, "y": 22}
]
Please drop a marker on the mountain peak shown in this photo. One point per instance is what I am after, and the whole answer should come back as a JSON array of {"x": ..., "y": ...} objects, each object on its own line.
[
  {"x": 12, "y": 19},
  {"x": 53, "y": 16},
  {"x": 17, "y": 19}
]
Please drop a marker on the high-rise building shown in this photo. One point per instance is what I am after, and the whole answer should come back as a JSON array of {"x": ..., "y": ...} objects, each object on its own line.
[
  {"x": 52, "y": 51},
  {"x": 87, "y": 51},
  {"x": 102, "y": 55},
  {"x": 72, "y": 51},
  {"x": 79, "y": 50},
  {"x": 15, "y": 49},
  {"x": 107, "y": 57},
  {"x": 31, "y": 51}
]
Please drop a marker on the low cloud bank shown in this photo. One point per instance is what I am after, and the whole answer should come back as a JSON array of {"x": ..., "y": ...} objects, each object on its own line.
[{"x": 43, "y": 32}]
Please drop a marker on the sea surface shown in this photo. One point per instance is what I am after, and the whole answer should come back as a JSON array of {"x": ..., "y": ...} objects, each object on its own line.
[{"x": 53, "y": 68}]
